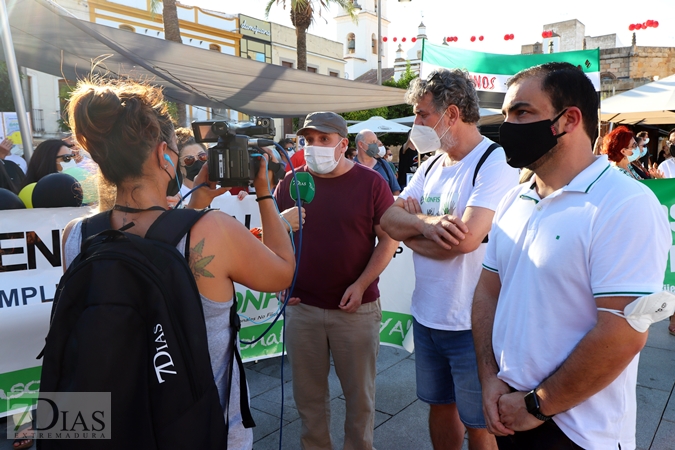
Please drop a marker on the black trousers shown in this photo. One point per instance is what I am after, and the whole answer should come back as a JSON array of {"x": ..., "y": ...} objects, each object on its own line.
[{"x": 547, "y": 436}]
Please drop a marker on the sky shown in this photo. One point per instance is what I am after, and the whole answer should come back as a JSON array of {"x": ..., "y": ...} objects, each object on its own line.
[{"x": 490, "y": 18}]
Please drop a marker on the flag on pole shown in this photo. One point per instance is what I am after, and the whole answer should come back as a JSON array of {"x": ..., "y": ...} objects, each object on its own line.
[{"x": 491, "y": 71}]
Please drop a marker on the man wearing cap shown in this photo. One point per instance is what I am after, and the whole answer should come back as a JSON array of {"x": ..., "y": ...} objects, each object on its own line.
[
  {"x": 334, "y": 309},
  {"x": 371, "y": 153}
]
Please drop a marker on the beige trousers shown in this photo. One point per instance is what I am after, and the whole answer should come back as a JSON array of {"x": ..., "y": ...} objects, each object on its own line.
[{"x": 353, "y": 339}]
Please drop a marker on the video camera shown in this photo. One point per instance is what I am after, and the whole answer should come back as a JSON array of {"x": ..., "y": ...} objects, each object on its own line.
[{"x": 235, "y": 159}]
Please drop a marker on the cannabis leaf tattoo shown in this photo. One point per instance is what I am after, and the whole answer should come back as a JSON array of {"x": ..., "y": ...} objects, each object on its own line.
[{"x": 198, "y": 262}]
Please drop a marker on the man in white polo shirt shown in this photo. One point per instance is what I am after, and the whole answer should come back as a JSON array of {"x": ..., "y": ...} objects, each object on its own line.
[
  {"x": 556, "y": 372},
  {"x": 457, "y": 189}
]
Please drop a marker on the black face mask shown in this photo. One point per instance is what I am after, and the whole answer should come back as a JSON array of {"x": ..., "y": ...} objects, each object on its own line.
[
  {"x": 176, "y": 182},
  {"x": 525, "y": 143},
  {"x": 192, "y": 171}
]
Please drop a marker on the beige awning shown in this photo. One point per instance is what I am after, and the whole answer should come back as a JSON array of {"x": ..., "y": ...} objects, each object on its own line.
[
  {"x": 49, "y": 39},
  {"x": 650, "y": 104}
]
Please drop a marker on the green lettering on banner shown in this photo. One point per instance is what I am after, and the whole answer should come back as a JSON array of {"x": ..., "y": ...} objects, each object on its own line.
[
  {"x": 269, "y": 345},
  {"x": 262, "y": 301},
  {"x": 664, "y": 190},
  {"x": 394, "y": 327},
  {"x": 17, "y": 384}
]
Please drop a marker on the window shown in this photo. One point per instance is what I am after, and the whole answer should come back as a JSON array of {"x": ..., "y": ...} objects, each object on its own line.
[
  {"x": 287, "y": 64},
  {"x": 334, "y": 74},
  {"x": 214, "y": 47},
  {"x": 127, "y": 28},
  {"x": 374, "y": 44},
  {"x": 311, "y": 69},
  {"x": 351, "y": 43},
  {"x": 260, "y": 57}
]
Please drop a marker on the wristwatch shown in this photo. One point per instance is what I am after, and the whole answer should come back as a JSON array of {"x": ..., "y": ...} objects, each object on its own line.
[{"x": 532, "y": 405}]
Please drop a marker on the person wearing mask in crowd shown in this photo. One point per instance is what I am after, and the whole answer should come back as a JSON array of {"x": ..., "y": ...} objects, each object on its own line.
[
  {"x": 336, "y": 312},
  {"x": 369, "y": 150},
  {"x": 442, "y": 196},
  {"x": 559, "y": 370},
  {"x": 288, "y": 145},
  {"x": 192, "y": 156},
  {"x": 351, "y": 153},
  {"x": 388, "y": 157},
  {"x": 622, "y": 150},
  {"x": 645, "y": 160},
  {"x": 50, "y": 156},
  {"x": 668, "y": 164},
  {"x": 407, "y": 161},
  {"x": 127, "y": 129}
]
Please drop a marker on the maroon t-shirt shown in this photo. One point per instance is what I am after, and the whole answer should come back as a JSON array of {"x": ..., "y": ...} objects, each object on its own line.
[{"x": 338, "y": 235}]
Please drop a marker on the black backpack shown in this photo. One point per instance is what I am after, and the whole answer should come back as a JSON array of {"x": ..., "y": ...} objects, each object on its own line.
[{"x": 122, "y": 301}]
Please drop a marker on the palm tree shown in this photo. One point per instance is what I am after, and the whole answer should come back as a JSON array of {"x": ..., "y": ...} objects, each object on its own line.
[
  {"x": 302, "y": 16},
  {"x": 171, "y": 33}
]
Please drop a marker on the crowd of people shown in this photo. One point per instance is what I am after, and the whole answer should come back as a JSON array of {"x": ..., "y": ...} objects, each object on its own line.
[{"x": 522, "y": 267}]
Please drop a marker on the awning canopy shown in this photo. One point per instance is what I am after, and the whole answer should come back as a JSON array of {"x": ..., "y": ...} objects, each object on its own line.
[
  {"x": 49, "y": 39},
  {"x": 650, "y": 104},
  {"x": 378, "y": 124}
]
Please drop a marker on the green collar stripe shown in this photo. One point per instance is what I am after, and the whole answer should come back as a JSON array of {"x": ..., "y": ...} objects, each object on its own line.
[
  {"x": 591, "y": 185},
  {"x": 527, "y": 197}
]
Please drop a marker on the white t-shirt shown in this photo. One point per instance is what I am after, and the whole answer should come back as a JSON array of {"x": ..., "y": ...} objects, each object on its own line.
[
  {"x": 668, "y": 167},
  {"x": 554, "y": 256},
  {"x": 444, "y": 289}
]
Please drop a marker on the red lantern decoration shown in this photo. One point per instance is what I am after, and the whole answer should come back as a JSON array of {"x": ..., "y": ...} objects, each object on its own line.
[
  {"x": 511, "y": 36},
  {"x": 480, "y": 38},
  {"x": 473, "y": 38},
  {"x": 656, "y": 24},
  {"x": 638, "y": 26},
  {"x": 644, "y": 25},
  {"x": 414, "y": 39},
  {"x": 402, "y": 39},
  {"x": 395, "y": 39},
  {"x": 384, "y": 39},
  {"x": 448, "y": 39},
  {"x": 631, "y": 27},
  {"x": 456, "y": 39},
  {"x": 506, "y": 37},
  {"x": 650, "y": 23}
]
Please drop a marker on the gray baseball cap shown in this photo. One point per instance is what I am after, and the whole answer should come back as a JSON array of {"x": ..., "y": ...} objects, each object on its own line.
[{"x": 325, "y": 122}]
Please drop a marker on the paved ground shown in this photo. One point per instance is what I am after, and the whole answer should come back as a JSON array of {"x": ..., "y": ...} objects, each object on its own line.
[{"x": 401, "y": 420}]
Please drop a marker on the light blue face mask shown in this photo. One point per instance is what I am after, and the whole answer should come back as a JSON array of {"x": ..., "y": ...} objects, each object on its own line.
[{"x": 635, "y": 155}]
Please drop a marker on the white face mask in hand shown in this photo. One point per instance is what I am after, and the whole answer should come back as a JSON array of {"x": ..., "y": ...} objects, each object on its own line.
[
  {"x": 644, "y": 311},
  {"x": 425, "y": 138},
  {"x": 321, "y": 160}
]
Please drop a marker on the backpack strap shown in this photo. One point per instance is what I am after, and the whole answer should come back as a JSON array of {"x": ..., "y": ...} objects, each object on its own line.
[
  {"x": 246, "y": 416},
  {"x": 482, "y": 160},
  {"x": 95, "y": 224},
  {"x": 426, "y": 172},
  {"x": 494, "y": 146},
  {"x": 172, "y": 225}
]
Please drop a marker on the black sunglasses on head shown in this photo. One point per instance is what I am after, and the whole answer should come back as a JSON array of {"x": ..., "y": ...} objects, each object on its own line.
[{"x": 191, "y": 159}]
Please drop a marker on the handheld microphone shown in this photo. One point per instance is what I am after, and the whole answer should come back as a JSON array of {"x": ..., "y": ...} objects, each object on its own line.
[{"x": 306, "y": 186}]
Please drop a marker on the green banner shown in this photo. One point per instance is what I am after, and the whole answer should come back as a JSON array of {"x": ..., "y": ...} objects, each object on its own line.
[
  {"x": 17, "y": 385},
  {"x": 665, "y": 192}
]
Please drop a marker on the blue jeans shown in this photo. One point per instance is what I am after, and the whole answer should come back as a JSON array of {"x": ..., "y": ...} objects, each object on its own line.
[{"x": 447, "y": 372}]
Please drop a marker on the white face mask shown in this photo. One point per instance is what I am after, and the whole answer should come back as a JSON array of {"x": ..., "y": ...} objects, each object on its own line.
[
  {"x": 646, "y": 141},
  {"x": 643, "y": 151},
  {"x": 390, "y": 157},
  {"x": 644, "y": 311},
  {"x": 425, "y": 138},
  {"x": 68, "y": 165},
  {"x": 381, "y": 151},
  {"x": 321, "y": 160}
]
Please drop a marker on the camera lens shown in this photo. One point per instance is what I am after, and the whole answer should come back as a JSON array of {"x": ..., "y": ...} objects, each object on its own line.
[{"x": 219, "y": 128}]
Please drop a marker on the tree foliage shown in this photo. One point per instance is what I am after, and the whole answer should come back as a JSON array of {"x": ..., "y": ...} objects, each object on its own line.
[
  {"x": 389, "y": 112},
  {"x": 6, "y": 98}
]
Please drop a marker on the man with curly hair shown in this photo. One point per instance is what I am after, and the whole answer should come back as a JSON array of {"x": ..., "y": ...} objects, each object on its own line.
[{"x": 444, "y": 215}]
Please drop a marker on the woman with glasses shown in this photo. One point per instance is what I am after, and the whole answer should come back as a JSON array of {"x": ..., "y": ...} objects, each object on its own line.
[
  {"x": 51, "y": 156},
  {"x": 192, "y": 156},
  {"x": 621, "y": 150}
]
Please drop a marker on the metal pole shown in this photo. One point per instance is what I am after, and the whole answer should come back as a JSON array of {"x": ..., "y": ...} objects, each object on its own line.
[
  {"x": 379, "y": 42},
  {"x": 15, "y": 81}
]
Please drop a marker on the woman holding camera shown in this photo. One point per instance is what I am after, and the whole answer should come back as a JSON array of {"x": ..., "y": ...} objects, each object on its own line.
[{"x": 127, "y": 130}]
